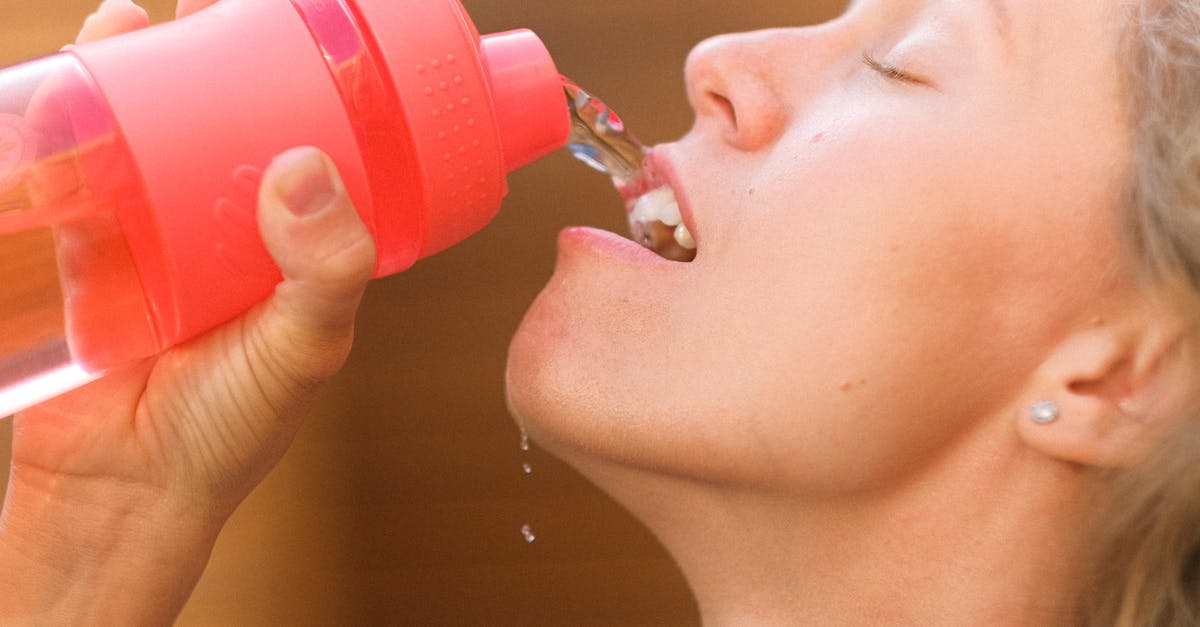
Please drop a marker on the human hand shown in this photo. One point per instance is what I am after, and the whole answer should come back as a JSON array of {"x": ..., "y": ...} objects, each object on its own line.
[{"x": 117, "y": 490}]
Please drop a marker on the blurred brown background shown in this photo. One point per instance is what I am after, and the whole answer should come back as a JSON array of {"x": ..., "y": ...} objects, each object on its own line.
[{"x": 402, "y": 499}]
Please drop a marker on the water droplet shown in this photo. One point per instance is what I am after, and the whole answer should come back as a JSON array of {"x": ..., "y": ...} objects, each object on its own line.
[
  {"x": 527, "y": 468},
  {"x": 527, "y": 532},
  {"x": 524, "y": 441}
]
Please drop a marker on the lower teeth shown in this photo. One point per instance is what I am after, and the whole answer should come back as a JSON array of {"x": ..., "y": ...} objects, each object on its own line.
[
  {"x": 657, "y": 225},
  {"x": 660, "y": 238}
]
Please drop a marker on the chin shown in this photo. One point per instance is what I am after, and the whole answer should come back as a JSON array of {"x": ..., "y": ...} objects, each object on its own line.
[
  {"x": 581, "y": 344},
  {"x": 605, "y": 371},
  {"x": 600, "y": 408},
  {"x": 531, "y": 375},
  {"x": 553, "y": 387}
]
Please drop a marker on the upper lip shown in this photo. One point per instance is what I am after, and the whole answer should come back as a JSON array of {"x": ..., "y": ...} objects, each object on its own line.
[{"x": 658, "y": 171}]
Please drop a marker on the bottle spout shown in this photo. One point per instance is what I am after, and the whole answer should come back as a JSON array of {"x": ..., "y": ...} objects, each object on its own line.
[{"x": 527, "y": 93}]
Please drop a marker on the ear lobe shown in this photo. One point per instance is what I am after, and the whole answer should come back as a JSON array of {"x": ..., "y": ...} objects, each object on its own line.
[
  {"x": 1117, "y": 389},
  {"x": 1087, "y": 432}
]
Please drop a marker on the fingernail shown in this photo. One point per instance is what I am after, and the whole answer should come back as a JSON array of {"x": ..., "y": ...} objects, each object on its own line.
[{"x": 305, "y": 184}]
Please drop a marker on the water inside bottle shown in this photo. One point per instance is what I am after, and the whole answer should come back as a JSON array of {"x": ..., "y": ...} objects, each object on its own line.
[{"x": 72, "y": 302}]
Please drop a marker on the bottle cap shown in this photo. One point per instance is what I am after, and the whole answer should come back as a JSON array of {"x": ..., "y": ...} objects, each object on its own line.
[{"x": 531, "y": 110}]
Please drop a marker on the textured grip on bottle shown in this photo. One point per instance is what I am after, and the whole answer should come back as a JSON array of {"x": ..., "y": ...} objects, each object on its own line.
[
  {"x": 431, "y": 52},
  {"x": 454, "y": 119}
]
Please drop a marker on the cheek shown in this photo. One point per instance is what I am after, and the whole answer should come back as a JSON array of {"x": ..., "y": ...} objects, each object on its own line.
[
  {"x": 887, "y": 309},
  {"x": 849, "y": 373}
]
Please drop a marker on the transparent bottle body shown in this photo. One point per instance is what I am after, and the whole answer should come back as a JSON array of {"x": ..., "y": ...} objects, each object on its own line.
[{"x": 71, "y": 304}]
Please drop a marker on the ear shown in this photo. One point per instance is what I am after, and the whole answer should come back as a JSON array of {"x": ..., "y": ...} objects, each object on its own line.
[{"x": 1119, "y": 387}]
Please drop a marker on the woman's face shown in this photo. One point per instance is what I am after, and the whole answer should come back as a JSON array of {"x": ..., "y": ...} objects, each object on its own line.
[{"x": 897, "y": 214}]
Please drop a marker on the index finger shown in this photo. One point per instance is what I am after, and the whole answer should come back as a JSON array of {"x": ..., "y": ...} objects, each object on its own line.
[{"x": 112, "y": 18}]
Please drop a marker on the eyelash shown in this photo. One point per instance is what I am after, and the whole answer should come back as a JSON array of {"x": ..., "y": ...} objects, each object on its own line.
[{"x": 888, "y": 71}]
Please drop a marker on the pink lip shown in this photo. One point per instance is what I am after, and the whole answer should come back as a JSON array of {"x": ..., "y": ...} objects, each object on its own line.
[
  {"x": 614, "y": 248},
  {"x": 659, "y": 171}
]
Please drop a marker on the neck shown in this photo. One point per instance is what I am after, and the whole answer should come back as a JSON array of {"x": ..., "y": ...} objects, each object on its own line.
[{"x": 977, "y": 537}]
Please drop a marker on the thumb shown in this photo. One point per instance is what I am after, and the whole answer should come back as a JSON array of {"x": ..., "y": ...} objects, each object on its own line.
[{"x": 326, "y": 255}]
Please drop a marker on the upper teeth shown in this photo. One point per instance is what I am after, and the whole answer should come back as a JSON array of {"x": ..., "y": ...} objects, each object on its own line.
[{"x": 660, "y": 205}]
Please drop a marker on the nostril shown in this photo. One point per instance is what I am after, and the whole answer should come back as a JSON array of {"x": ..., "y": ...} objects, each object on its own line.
[
  {"x": 724, "y": 107},
  {"x": 744, "y": 110},
  {"x": 757, "y": 119},
  {"x": 734, "y": 85}
]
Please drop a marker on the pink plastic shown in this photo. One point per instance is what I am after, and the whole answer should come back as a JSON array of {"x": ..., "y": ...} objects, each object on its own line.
[
  {"x": 518, "y": 65},
  {"x": 422, "y": 119}
]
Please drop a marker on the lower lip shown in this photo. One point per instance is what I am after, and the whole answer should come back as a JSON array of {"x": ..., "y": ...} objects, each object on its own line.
[{"x": 611, "y": 246}]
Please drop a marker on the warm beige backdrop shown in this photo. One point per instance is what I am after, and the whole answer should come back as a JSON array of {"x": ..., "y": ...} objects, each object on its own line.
[{"x": 402, "y": 500}]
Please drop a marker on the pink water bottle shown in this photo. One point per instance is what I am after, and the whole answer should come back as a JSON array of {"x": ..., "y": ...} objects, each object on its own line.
[{"x": 129, "y": 167}]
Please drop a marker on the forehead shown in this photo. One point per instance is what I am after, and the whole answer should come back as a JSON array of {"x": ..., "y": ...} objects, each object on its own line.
[
  {"x": 1033, "y": 25},
  {"x": 999, "y": 12}
]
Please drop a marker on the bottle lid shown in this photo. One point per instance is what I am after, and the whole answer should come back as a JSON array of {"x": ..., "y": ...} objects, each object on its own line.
[{"x": 531, "y": 110}]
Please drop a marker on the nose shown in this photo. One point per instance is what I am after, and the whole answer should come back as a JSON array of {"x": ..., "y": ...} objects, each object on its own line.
[{"x": 735, "y": 84}]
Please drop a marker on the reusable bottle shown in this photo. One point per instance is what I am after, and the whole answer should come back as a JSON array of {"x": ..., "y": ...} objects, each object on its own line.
[{"x": 129, "y": 167}]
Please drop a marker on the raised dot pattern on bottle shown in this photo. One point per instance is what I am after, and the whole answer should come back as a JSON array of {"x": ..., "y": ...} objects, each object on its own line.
[{"x": 451, "y": 107}]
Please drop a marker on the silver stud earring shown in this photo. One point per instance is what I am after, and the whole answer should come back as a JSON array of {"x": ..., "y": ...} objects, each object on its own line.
[{"x": 1043, "y": 412}]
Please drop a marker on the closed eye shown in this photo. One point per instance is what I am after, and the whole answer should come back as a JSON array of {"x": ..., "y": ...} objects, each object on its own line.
[{"x": 889, "y": 71}]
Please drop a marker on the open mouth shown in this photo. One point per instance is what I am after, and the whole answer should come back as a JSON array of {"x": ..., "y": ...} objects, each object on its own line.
[
  {"x": 655, "y": 218},
  {"x": 600, "y": 139},
  {"x": 656, "y": 223}
]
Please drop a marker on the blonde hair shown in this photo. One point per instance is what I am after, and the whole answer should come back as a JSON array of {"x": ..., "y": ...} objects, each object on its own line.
[
  {"x": 1165, "y": 106},
  {"x": 1148, "y": 566}
]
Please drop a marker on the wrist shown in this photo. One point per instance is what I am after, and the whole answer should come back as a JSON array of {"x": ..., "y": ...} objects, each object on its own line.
[{"x": 85, "y": 551}]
